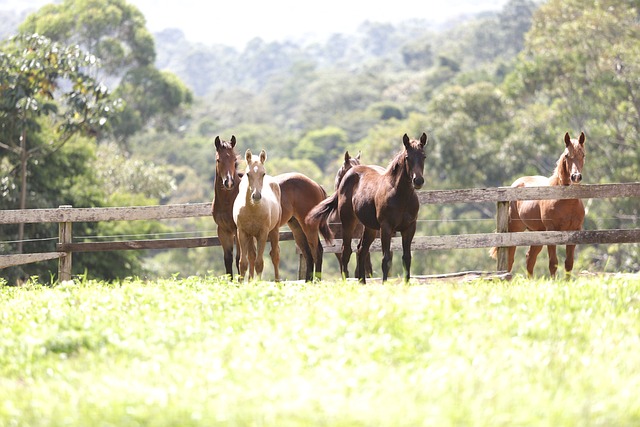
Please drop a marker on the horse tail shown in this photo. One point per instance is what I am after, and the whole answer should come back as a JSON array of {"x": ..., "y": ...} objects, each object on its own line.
[
  {"x": 320, "y": 215},
  {"x": 493, "y": 253}
]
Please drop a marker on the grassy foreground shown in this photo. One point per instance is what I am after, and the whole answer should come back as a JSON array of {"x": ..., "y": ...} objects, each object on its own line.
[{"x": 205, "y": 352}]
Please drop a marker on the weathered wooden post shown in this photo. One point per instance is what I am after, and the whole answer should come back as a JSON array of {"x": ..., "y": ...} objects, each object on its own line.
[
  {"x": 502, "y": 219},
  {"x": 64, "y": 236}
]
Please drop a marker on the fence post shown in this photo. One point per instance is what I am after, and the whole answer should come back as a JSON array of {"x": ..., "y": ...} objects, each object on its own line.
[
  {"x": 502, "y": 219},
  {"x": 64, "y": 236}
]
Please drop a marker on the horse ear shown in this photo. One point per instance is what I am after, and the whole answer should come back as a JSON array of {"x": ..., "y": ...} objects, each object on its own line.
[
  {"x": 582, "y": 138},
  {"x": 567, "y": 139},
  {"x": 233, "y": 141},
  {"x": 423, "y": 139},
  {"x": 263, "y": 156},
  {"x": 406, "y": 141},
  {"x": 358, "y": 156},
  {"x": 248, "y": 157},
  {"x": 217, "y": 142},
  {"x": 347, "y": 157}
]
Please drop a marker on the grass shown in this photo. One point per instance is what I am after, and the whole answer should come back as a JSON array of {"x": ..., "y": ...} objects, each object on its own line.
[{"x": 206, "y": 352}]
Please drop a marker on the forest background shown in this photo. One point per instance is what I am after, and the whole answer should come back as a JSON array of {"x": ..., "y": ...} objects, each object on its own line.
[{"x": 97, "y": 111}]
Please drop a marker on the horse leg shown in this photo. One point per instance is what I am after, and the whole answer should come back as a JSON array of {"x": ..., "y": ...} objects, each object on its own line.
[
  {"x": 262, "y": 243},
  {"x": 303, "y": 244},
  {"x": 387, "y": 255},
  {"x": 407, "y": 238},
  {"x": 315, "y": 247},
  {"x": 553, "y": 260},
  {"x": 237, "y": 244},
  {"x": 515, "y": 225},
  {"x": 532, "y": 255},
  {"x": 251, "y": 251},
  {"x": 568, "y": 263},
  {"x": 346, "y": 252},
  {"x": 368, "y": 236},
  {"x": 227, "y": 239},
  {"x": 274, "y": 237},
  {"x": 244, "y": 240}
]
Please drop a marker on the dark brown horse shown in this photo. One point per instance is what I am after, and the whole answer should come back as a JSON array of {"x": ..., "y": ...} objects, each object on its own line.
[
  {"x": 550, "y": 215},
  {"x": 387, "y": 202},
  {"x": 334, "y": 218},
  {"x": 299, "y": 194},
  {"x": 225, "y": 193}
]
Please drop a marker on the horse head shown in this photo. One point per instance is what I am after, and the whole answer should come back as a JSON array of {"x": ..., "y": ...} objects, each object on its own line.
[
  {"x": 255, "y": 174},
  {"x": 348, "y": 163},
  {"x": 226, "y": 162},
  {"x": 573, "y": 159},
  {"x": 414, "y": 159}
]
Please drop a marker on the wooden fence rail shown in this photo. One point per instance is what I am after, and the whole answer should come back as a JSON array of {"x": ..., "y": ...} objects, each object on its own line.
[{"x": 66, "y": 215}]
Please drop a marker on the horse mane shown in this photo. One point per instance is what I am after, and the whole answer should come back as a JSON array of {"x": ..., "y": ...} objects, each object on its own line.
[{"x": 398, "y": 160}]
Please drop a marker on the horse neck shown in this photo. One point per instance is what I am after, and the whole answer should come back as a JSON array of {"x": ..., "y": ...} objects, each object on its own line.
[
  {"x": 560, "y": 174},
  {"x": 398, "y": 175}
]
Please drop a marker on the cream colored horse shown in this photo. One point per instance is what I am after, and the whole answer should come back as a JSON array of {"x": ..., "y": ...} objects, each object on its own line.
[{"x": 256, "y": 212}]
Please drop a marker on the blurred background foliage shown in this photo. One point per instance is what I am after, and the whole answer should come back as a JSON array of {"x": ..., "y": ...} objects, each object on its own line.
[{"x": 495, "y": 92}]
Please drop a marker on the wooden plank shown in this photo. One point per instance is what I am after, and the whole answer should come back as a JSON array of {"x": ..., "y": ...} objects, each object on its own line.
[
  {"x": 584, "y": 191},
  {"x": 20, "y": 259},
  {"x": 490, "y": 240},
  {"x": 190, "y": 210},
  {"x": 197, "y": 242}
]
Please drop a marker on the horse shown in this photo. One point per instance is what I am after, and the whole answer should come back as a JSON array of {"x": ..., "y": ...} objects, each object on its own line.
[
  {"x": 550, "y": 215},
  {"x": 225, "y": 193},
  {"x": 334, "y": 218},
  {"x": 387, "y": 202},
  {"x": 299, "y": 194},
  {"x": 256, "y": 212}
]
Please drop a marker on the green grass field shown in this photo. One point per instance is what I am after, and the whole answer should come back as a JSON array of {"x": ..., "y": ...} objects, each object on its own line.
[{"x": 206, "y": 352}]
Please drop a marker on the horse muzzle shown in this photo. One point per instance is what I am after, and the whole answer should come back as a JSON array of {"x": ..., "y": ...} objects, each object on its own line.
[
  {"x": 576, "y": 178},
  {"x": 256, "y": 196},
  {"x": 418, "y": 182},
  {"x": 228, "y": 183}
]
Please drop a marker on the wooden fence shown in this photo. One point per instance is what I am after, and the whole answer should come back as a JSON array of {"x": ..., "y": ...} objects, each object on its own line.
[{"x": 66, "y": 215}]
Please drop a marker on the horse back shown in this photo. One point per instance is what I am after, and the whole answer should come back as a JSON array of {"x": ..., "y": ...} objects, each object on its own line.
[{"x": 299, "y": 194}]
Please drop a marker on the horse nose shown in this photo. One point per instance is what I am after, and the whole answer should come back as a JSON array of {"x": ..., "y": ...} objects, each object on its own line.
[
  {"x": 228, "y": 182},
  {"x": 418, "y": 182},
  {"x": 256, "y": 196},
  {"x": 576, "y": 177}
]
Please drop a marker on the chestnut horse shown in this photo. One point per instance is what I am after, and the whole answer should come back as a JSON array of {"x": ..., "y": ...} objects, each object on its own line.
[
  {"x": 334, "y": 218},
  {"x": 550, "y": 215},
  {"x": 256, "y": 212},
  {"x": 299, "y": 194},
  {"x": 225, "y": 193},
  {"x": 387, "y": 202}
]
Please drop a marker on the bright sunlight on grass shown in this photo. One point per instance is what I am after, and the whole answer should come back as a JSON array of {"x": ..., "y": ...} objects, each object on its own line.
[{"x": 206, "y": 352}]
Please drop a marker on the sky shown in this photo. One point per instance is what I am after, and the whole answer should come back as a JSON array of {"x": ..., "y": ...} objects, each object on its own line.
[{"x": 235, "y": 22}]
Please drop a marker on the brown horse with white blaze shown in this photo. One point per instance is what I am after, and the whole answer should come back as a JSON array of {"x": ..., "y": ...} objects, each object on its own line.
[
  {"x": 550, "y": 215},
  {"x": 387, "y": 202},
  {"x": 225, "y": 193}
]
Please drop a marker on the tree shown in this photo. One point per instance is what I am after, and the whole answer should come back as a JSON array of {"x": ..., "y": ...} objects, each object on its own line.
[
  {"x": 115, "y": 32},
  {"x": 34, "y": 72}
]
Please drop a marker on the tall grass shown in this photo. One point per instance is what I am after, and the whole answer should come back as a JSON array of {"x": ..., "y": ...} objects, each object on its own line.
[{"x": 203, "y": 351}]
